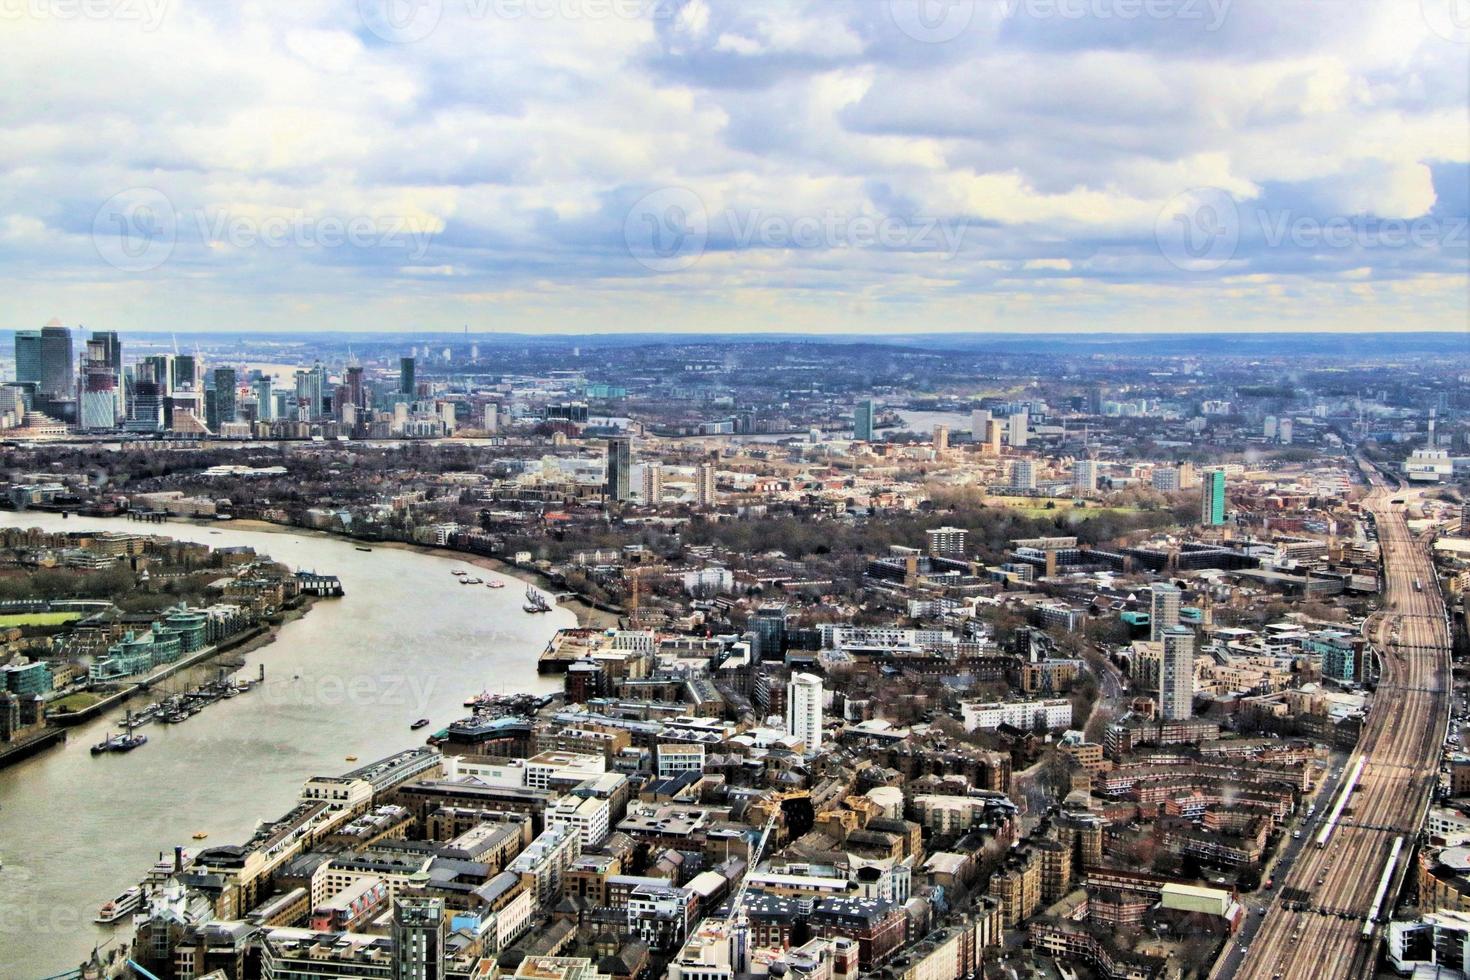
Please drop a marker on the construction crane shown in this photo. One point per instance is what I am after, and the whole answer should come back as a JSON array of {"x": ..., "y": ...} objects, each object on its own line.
[{"x": 739, "y": 900}]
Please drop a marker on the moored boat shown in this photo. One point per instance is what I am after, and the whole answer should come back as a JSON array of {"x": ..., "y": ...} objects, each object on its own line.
[{"x": 125, "y": 903}]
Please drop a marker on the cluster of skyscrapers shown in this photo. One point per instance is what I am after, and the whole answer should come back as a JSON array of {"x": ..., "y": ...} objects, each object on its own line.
[{"x": 173, "y": 392}]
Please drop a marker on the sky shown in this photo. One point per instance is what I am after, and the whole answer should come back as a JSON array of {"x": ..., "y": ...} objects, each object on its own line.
[{"x": 853, "y": 166}]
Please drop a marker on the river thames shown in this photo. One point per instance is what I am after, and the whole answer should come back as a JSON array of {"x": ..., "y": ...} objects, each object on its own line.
[{"x": 406, "y": 641}]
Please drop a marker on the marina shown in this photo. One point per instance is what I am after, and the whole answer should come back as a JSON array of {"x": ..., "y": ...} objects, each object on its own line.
[{"x": 337, "y": 682}]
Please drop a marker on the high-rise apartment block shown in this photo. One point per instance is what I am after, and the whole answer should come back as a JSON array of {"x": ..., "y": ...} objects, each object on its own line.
[
  {"x": 1176, "y": 674},
  {"x": 804, "y": 710},
  {"x": 1084, "y": 476},
  {"x": 619, "y": 485},
  {"x": 420, "y": 930},
  {"x": 704, "y": 484},
  {"x": 947, "y": 542},
  {"x": 862, "y": 420},
  {"x": 1163, "y": 609},
  {"x": 653, "y": 483},
  {"x": 1020, "y": 424},
  {"x": 1212, "y": 498}
]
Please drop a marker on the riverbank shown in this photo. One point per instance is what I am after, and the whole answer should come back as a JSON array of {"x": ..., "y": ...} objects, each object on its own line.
[
  {"x": 588, "y": 615},
  {"x": 405, "y": 641}
]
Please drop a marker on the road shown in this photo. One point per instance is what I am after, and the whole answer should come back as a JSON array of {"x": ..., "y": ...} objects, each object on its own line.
[
  {"x": 1314, "y": 925},
  {"x": 1280, "y": 869}
]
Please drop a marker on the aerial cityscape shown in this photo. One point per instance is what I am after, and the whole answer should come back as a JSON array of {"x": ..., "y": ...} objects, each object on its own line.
[{"x": 728, "y": 489}]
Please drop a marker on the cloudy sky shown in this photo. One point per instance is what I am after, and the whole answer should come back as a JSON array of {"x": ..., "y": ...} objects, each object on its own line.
[{"x": 834, "y": 165}]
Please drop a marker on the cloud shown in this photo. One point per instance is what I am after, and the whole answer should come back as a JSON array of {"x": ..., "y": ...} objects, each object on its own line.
[{"x": 824, "y": 146}]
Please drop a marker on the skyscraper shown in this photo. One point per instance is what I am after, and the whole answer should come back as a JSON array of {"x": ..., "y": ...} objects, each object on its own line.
[
  {"x": 225, "y": 395},
  {"x": 979, "y": 422},
  {"x": 1163, "y": 609},
  {"x": 1176, "y": 674},
  {"x": 1019, "y": 423},
  {"x": 1084, "y": 476},
  {"x": 310, "y": 388},
  {"x": 1023, "y": 474},
  {"x": 98, "y": 389},
  {"x": 419, "y": 932},
  {"x": 619, "y": 468},
  {"x": 704, "y": 484},
  {"x": 356, "y": 393},
  {"x": 862, "y": 420},
  {"x": 161, "y": 366},
  {"x": 653, "y": 483},
  {"x": 994, "y": 428},
  {"x": 941, "y": 438},
  {"x": 44, "y": 358},
  {"x": 405, "y": 376},
  {"x": 186, "y": 372},
  {"x": 1212, "y": 498},
  {"x": 113, "y": 346},
  {"x": 265, "y": 398},
  {"x": 145, "y": 405},
  {"x": 804, "y": 710},
  {"x": 769, "y": 624}
]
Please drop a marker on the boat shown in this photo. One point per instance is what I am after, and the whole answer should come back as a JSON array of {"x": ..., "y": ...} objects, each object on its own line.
[
  {"x": 535, "y": 602},
  {"x": 361, "y": 548},
  {"x": 421, "y": 723},
  {"x": 127, "y": 902},
  {"x": 458, "y": 572},
  {"x": 471, "y": 581},
  {"x": 200, "y": 835},
  {"x": 494, "y": 585},
  {"x": 120, "y": 743},
  {"x": 352, "y": 758}
]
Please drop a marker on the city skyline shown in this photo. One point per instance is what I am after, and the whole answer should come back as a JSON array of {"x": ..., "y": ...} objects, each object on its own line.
[{"x": 692, "y": 166}]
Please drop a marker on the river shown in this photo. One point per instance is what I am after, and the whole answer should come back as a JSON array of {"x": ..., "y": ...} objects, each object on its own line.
[{"x": 406, "y": 641}]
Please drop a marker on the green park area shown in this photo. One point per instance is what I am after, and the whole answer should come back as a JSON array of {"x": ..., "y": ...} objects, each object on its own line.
[
  {"x": 38, "y": 619},
  {"x": 74, "y": 702}
]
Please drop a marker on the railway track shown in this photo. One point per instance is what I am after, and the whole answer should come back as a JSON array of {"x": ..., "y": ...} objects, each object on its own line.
[{"x": 1351, "y": 879}]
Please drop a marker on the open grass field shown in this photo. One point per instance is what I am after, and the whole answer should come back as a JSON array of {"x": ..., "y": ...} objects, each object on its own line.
[
  {"x": 74, "y": 702},
  {"x": 38, "y": 619}
]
